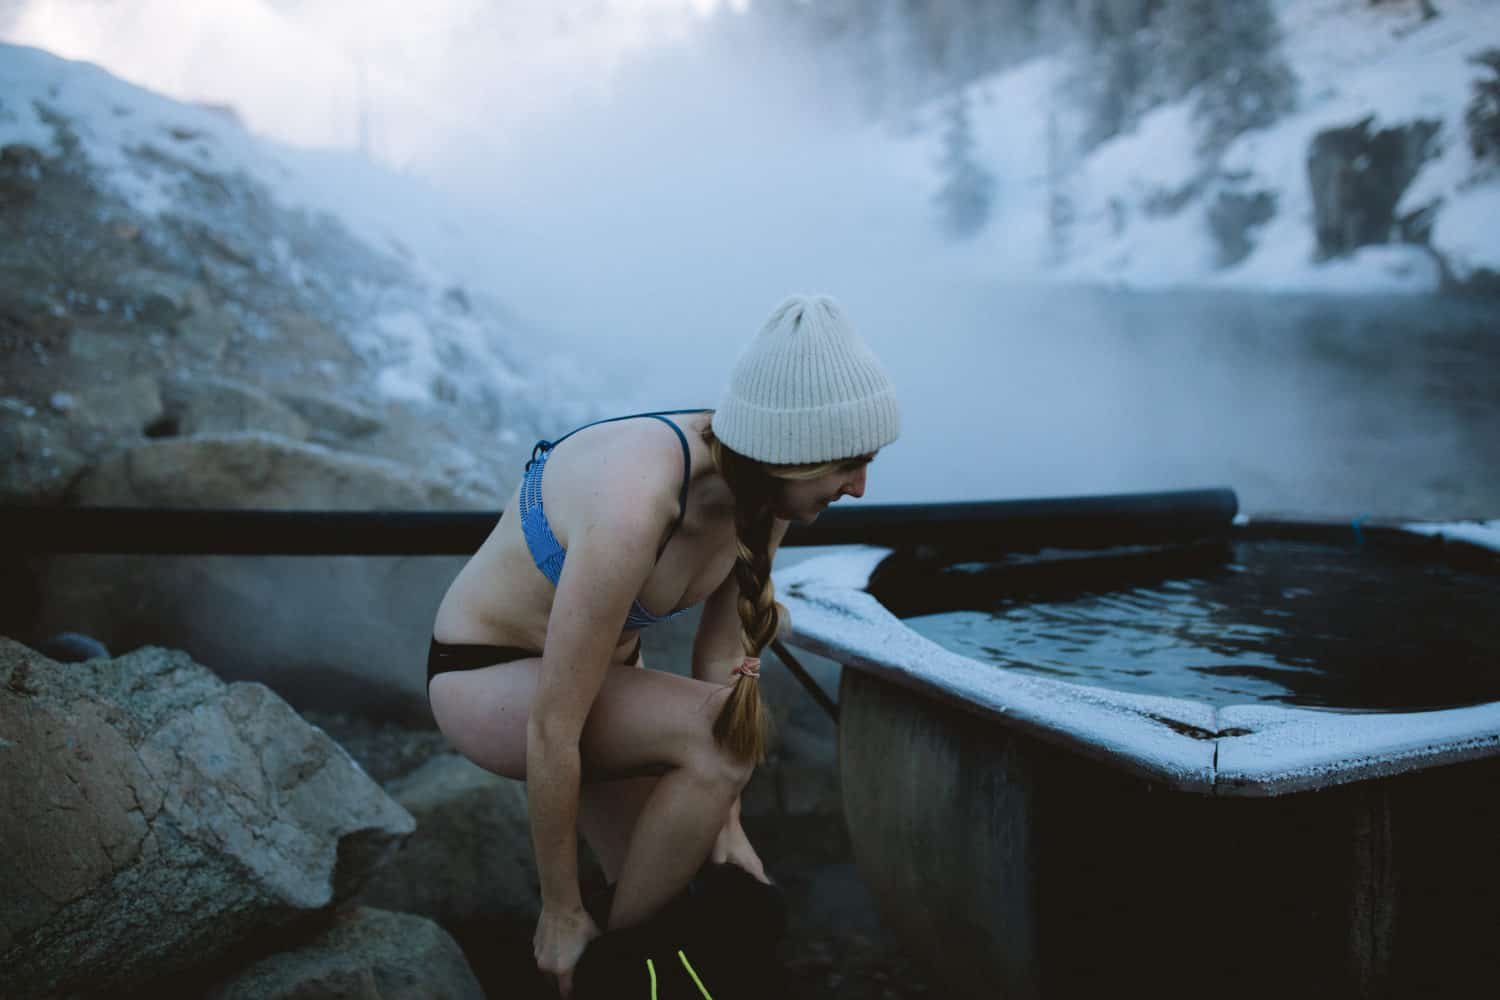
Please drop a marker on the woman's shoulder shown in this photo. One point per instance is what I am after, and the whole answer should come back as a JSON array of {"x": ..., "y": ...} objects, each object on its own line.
[{"x": 625, "y": 473}]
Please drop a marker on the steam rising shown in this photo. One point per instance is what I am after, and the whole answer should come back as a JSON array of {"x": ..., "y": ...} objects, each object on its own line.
[{"x": 650, "y": 181}]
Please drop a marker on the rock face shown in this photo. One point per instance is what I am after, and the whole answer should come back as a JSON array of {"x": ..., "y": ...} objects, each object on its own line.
[
  {"x": 1357, "y": 177},
  {"x": 255, "y": 469},
  {"x": 365, "y": 955},
  {"x": 233, "y": 352},
  {"x": 209, "y": 405},
  {"x": 1232, "y": 218},
  {"x": 155, "y": 816}
]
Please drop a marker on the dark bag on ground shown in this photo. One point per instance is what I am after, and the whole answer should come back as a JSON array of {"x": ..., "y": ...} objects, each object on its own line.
[{"x": 715, "y": 941}]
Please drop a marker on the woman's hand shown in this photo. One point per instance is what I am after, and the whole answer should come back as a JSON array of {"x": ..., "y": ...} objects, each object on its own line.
[
  {"x": 733, "y": 847},
  {"x": 560, "y": 938}
]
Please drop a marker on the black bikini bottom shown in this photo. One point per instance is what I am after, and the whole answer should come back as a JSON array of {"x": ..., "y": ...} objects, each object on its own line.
[{"x": 445, "y": 656}]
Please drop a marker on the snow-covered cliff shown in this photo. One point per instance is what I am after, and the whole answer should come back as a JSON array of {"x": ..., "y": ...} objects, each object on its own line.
[{"x": 1368, "y": 182}]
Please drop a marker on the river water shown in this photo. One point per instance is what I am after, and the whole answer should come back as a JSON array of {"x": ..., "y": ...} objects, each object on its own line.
[{"x": 1336, "y": 406}]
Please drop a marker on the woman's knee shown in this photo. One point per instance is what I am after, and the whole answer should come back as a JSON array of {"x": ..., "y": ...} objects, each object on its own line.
[
  {"x": 714, "y": 762},
  {"x": 660, "y": 723}
]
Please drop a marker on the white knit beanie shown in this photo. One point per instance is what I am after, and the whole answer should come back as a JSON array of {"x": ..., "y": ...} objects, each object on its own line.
[{"x": 807, "y": 390}]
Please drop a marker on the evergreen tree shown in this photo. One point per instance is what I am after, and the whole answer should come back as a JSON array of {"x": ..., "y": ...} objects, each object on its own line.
[
  {"x": 1139, "y": 54},
  {"x": 968, "y": 190},
  {"x": 1483, "y": 113},
  {"x": 1229, "y": 53}
]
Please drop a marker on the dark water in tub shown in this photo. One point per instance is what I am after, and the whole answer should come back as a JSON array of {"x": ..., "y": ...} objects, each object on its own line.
[{"x": 1290, "y": 623}]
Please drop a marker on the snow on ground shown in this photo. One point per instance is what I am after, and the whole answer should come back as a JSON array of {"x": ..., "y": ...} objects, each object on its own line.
[
  {"x": 394, "y": 213},
  {"x": 1485, "y": 534},
  {"x": 1389, "y": 68},
  {"x": 1352, "y": 61},
  {"x": 1253, "y": 750}
]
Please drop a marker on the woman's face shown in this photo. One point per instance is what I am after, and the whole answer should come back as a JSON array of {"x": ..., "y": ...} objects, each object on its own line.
[{"x": 804, "y": 499}]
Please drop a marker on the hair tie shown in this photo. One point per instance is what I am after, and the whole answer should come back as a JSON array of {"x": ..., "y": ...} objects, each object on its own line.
[{"x": 749, "y": 667}]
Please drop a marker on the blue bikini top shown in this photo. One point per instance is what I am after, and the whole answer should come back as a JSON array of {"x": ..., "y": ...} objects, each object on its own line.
[{"x": 547, "y": 552}]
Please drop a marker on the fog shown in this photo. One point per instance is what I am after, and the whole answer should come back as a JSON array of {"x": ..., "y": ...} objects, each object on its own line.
[
  {"x": 654, "y": 226},
  {"x": 646, "y": 190}
]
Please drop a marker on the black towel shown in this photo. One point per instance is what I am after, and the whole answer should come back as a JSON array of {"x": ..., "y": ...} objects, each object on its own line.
[{"x": 715, "y": 939}]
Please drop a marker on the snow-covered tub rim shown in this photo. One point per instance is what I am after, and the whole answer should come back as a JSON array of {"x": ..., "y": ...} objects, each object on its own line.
[{"x": 1238, "y": 750}]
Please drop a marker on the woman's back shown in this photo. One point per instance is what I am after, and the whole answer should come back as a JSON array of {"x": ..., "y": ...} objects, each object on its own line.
[{"x": 503, "y": 596}]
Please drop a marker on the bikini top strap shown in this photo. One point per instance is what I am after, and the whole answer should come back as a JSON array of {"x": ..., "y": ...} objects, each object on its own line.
[
  {"x": 687, "y": 471},
  {"x": 545, "y": 445},
  {"x": 687, "y": 461}
]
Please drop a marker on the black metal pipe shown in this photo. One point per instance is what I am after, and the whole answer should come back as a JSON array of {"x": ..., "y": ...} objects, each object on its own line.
[
  {"x": 827, "y": 704},
  {"x": 159, "y": 531},
  {"x": 984, "y": 526},
  {"x": 989, "y": 526}
]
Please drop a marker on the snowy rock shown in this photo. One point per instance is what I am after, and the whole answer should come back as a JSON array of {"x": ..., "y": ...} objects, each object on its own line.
[
  {"x": 103, "y": 347},
  {"x": 36, "y": 464},
  {"x": 162, "y": 297},
  {"x": 210, "y": 405},
  {"x": 365, "y": 954},
  {"x": 1233, "y": 217},
  {"x": 207, "y": 328},
  {"x": 156, "y": 816},
  {"x": 126, "y": 407},
  {"x": 258, "y": 470},
  {"x": 1358, "y": 176},
  {"x": 312, "y": 338},
  {"x": 330, "y": 418},
  {"x": 20, "y": 172}
]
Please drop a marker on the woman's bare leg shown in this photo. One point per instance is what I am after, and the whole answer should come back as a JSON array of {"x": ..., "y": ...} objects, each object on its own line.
[
  {"x": 607, "y": 815},
  {"x": 665, "y": 851},
  {"x": 642, "y": 722}
]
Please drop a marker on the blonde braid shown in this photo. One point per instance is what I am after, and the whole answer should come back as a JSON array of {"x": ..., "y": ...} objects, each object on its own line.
[{"x": 743, "y": 724}]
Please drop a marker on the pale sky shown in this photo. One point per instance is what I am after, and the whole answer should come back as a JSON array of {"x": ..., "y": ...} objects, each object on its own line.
[{"x": 296, "y": 70}]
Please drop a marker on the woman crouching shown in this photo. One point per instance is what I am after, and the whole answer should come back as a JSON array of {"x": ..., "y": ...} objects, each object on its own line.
[{"x": 534, "y": 670}]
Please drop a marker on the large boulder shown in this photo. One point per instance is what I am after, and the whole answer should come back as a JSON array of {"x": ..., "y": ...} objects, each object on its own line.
[
  {"x": 203, "y": 404},
  {"x": 38, "y": 462},
  {"x": 127, "y": 406},
  {"x": 1357, "y": 177},
  {"x": 156, "y": 818},
  {"x": 332, "y": 421},
  {"x": 254, "y": 469},
  {"x": 365, "y": 954},
  {"x": 206, "y": 327}
]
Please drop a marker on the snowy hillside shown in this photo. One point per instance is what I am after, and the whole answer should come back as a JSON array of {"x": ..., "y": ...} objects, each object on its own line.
[
  {"x": 1141, "y": 207},
  {"x": 379, "y": 257}
]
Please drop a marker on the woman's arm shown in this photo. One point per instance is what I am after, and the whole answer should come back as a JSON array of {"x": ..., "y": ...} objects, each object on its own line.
[
  {"x": 716, "y": 645},
  {"x": 717, "y": 649},
  {"x": 610, "y": 554}
]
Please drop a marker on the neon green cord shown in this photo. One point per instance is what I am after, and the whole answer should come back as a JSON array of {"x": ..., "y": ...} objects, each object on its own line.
[
  {"x": 651, "y": 969},
  {"x": 696, "y": 981}
]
